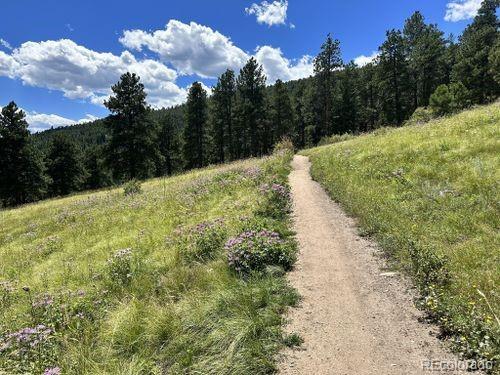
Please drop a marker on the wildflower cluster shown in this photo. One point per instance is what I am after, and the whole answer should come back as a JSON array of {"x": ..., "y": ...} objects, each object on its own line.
[
  {"x": 29, "y": 349},
  {"x": 120, "y": 266},
  {"x": 254, "y": 250},
  {"x": 277, "y": 200}
]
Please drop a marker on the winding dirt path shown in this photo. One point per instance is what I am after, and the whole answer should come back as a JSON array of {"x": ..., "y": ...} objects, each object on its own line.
[{"x": 355, "y": 318}]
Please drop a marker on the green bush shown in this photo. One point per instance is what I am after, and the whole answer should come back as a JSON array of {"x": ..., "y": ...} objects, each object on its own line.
[
  {"x": 132, "y": 187},
  {"x": 420, "y": 116},
  {"x": 449, "y": 99}
]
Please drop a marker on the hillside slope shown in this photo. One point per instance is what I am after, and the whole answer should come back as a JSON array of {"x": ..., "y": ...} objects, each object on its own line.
[
  {"x": 429, "y": 194},
  {"x": 107, "y": 283}
]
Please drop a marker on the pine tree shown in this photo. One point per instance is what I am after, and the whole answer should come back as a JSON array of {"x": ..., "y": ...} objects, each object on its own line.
[
  {"x": 281, "y": 112},
  {"x": 195, "y": 137},
  {"x": 250, "y": 111},
  {"x": 133, "y": 148},
  {"x": 299, "y": 132},
  {"x": 64, "y": 167},
  {"x": 222, "y": 132},
  {"x": 22, "y": 176},
  {"x": 494, "y": 61},
  {"x": 393, "y": 77},
  {"x": 348, "y": 106},
  {"x": 325, "y": 64},
  {"x": 97, "y": 174},
  {"x": 426, "y": 53},
  {"x": 368, "y": 98},
  {"x": 476, "y": 42},
  {"x": 170, "y": 146}
]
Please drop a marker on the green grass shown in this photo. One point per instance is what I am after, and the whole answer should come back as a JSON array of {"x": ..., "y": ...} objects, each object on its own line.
[
  {"x": 170, "y": 304},
  {"x": 430, "y": 195}
]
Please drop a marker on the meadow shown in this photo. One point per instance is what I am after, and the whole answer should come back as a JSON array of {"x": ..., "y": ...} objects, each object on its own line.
[
  {"x": 429, "y": 194},
  {"x": 180, "y": 275}
]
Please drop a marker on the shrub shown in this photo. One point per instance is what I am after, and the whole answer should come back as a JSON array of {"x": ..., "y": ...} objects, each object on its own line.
[
  {"x": 120, "y": 266},
  {"x": 420, "y": 116},
  {"x": 205, "y": 241},
  {"x": 449, "y": 99},
  {"x": 132, "y": 187},
  {"x": 285, "y": 145},
  {"x": 253, "y": 251},
  {"x": 277, "y": 202}
]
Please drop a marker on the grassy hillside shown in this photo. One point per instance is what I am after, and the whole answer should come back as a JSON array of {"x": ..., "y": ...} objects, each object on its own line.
[
  {"x": 172, "y": 279},
  {"x": 430, "y": 195}
]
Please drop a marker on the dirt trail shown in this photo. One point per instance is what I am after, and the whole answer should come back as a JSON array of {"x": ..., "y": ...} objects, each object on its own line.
[{"x": 355, "y": 318}]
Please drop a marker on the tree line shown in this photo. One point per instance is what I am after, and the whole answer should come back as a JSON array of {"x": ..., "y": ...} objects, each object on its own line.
[{"x": 418, "y": 69}]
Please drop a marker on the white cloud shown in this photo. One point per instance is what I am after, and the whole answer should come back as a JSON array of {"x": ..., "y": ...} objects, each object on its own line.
[
  {"x": 81, "y": 73},
  {"x": 276, "y": 66},
  {"x": 8, "y": 65},
  {"x": 365, "y": 60},
  {"x": 269, "y": 13},
  {"x": 190, "y": 48},
  {"x": 41, "y": 121},
  {"x": 459, "y": 10},
  {"x": 5, "y": 44}
]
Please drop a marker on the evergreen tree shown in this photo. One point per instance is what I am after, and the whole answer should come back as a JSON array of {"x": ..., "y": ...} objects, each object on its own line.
[
  {"x": 222, "y": 132},
  {"x": 97, "y": 174},
  {"x": 325, "y": 64},
  {"x": 22, "y": 176},
  {"x": 195, "y": 142},
  {"x": 348, "y": 106},
  {"x": 281, "y": 112},
  {"x": 249, "y": 112},
  {"x": 64, "y": 167},
  {"x": 299, "y": 132},
  {"x": 494, "y": 61},
  {"x": 368, "y": 103},
  {"x": 393, "y": 77},
  {"x": 426, "y": 52},
  {"x": 170, "y": 146},
  {"x": 133, "y": 148},
  {"x": 476, "y": 42}
]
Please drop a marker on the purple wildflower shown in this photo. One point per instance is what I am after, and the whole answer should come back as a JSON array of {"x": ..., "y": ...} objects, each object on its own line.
[{"x": 52, "y": 371}]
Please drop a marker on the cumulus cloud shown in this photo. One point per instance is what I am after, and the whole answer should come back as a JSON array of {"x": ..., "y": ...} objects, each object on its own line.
[
  {"x": 190, "y": 48},
  {"x": 459, "y": 10},
  {"x": 42, "y": 121},
  {"x": 81, "y": 73},
  {"x": 269, "y": 13},
  {"x": 8, "y": 65},
  {"x": 276, "y": 66},
  {"x": 365, "y": 60}
]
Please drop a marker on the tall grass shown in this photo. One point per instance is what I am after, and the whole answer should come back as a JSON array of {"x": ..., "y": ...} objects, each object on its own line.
[
  {"x": 430, "y": 195},
  {"x": 140, "y": 283}
]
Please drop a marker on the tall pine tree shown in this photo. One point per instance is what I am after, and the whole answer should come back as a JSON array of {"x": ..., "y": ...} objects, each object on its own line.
[
  {"x": 170, "y": 146},
  {"x": 325, "y": 64},
  {"x": 393, "y": 78},
  {"x": 22, "y": 176},
  {"x": 249, "y": 111},
  {"x": 472, "y": 66},
  {"x": 195, "y": 132},
  {"x": 281, "y": 112},
  {"x": 222, "y": 131},
  {"x": 64, "y": 167},
  {"x": 133, "y": 148}
]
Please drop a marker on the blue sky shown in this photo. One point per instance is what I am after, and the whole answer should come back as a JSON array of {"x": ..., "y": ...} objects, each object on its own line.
[{"x": 58, "y": 58}]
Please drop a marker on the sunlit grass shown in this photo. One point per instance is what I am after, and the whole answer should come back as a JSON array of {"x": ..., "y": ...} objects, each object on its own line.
[{"x": 168, "y": 313}]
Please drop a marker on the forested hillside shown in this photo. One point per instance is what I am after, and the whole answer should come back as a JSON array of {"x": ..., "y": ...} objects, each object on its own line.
[{"x": 418, "y": 71}]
